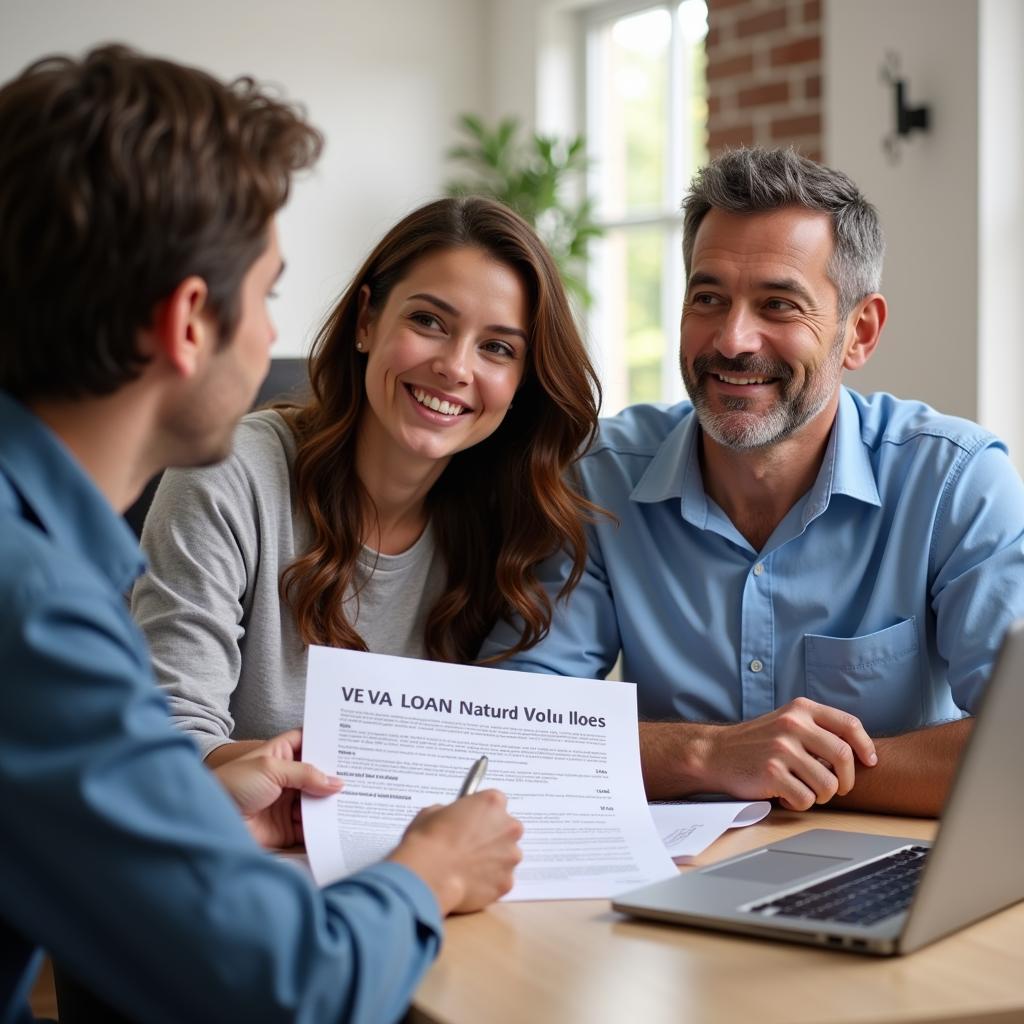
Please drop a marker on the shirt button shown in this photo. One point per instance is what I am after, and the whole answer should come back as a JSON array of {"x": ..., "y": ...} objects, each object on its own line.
[
  {"x": 756, "y": 665},
  {"x": 759, "y": 568}
]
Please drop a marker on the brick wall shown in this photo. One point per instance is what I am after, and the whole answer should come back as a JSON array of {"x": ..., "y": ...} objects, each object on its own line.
[{"x": 764, "y": 74}]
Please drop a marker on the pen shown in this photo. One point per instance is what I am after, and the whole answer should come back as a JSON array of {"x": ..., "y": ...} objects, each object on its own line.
[{"x": 474, "y": 777}]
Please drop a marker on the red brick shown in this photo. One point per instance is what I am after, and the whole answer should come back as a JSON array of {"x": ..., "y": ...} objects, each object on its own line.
[
  {"x": 718, "y": 5},
  {"x": 714, "y": 105},
  {"x": 812, "y": 87},
  {"x": 767, "y": 21},
  {"x": 760, "y": 95},
  {"x": 713, "y": 38},
  {"x": 788, "y": 127},
  {"x": 812, "y": 154},
  {"x": 798, "y": 52},
  {"x": 738, "y": 135},
  {"x": 741, "y": 65},
  {"x": 812, "y": 11}
]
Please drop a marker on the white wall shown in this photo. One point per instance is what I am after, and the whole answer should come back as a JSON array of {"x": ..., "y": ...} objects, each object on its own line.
[
  {"x": 1001, "y": 222},
  {"x": 383, "y": 79},
  {"x": 536, "y": 61},
  {"x": 513, "y": 59},
  {"x": 928, "y": 200},
  {"x": 951, "y": 205}
]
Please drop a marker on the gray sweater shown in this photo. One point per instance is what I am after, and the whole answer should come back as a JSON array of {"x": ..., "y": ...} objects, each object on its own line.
[{"x": 225, "y": 648}]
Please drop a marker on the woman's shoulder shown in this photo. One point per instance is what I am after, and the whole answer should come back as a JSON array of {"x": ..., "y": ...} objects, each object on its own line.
[
  {"x": 262, "y": 436},
  {"x": 256, "y": 472}
]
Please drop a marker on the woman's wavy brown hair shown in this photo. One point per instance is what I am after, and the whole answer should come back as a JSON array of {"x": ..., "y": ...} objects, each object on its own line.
[{"x": 499, "y": 507}]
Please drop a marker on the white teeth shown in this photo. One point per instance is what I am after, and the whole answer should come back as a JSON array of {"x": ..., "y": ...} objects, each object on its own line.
[
  {"x": 445, "y": 408},
  {"x": 743, "y": 380}
]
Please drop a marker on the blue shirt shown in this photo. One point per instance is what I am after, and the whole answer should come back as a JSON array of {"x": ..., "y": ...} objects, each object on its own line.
[
  {"x": 121, "y": 854},
  {"x": 885, "y": 591}
]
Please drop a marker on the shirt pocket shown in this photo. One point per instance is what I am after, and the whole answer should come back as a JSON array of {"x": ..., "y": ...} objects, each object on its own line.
[{"x": 875, "y": 677}]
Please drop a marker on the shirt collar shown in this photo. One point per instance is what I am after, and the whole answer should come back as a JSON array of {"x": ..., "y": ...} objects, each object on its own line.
[
  {"x": 846, "y": 467},
  {"x": 52, "y": 484},
  {"x": 674, "y": 472},
  {"x": 666, "y": 475}
]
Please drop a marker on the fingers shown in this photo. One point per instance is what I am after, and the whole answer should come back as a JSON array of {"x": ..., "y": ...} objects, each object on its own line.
[
  {"x": 799, "y": 784},
  {"x": 826, "y": 743},
  {"x": 292, "y": 739},
  {"x": 465, "y": 851},
  {"x": 305, "y": 778},
  {"x": 423, "y": 814},
  {"x": 286, "y": 745},
  {"x": 848, "y": 728},
  {"x": 492, "y": 799},
  {"x": 819, "y": 760},
  {"x": 488, "y": 811},
  {"x": 497, "y": 802},
  {"x": 802, "y": 754}
]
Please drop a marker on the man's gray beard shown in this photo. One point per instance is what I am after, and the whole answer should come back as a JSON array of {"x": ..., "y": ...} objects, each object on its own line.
[
  {"x": 749, "y": 434},
  {"x": 786, "y": 417}
]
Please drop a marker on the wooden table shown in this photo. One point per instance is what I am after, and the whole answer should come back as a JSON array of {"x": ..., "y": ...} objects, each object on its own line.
[
  {"x": 569, "y": 962},
  {"x": 581, "y": 963}
]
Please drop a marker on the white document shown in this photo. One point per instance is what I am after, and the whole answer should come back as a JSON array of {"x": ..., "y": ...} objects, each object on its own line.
[
  {"x": 688, "y": 828},
  {"x": 403, "y": 734}
]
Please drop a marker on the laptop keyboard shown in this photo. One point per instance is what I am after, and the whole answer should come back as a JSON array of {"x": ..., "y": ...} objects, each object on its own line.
[{"x": 862, "y": 896}]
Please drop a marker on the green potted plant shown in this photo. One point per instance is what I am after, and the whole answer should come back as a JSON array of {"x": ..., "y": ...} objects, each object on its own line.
[{"x": 541, "y": 179}]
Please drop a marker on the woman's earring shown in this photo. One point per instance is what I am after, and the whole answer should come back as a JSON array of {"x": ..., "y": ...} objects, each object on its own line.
[{"x": 359, "y": 346}]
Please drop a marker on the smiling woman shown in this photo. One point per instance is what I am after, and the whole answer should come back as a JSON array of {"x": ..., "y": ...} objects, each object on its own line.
[
  {"x": 445, "y": 355},
  {"x": 403, "y": 508}
]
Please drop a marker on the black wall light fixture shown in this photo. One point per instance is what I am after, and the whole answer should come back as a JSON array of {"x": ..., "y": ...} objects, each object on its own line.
[{"x": 907, "y": 119}]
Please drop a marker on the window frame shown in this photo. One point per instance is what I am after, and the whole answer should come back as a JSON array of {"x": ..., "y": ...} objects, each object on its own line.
[{"x": 608, "y": 351}]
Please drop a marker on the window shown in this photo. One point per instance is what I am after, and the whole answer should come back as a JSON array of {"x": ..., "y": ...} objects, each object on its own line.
[{"x": 646, "y": 117}]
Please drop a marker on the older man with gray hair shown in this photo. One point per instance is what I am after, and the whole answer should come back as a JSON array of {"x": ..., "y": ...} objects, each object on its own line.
[{"x": 807, "y": 585}]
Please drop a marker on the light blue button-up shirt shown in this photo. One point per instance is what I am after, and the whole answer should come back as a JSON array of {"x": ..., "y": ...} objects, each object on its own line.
[
  {"x": 884, "y": 591},
  {"x": 120, "y": 853}
]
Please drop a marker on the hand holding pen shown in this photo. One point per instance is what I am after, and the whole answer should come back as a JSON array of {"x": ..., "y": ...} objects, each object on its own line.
[{"x": 467, "y": 850}]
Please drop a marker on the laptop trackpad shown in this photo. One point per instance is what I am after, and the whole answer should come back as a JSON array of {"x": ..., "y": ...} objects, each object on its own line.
[{"x": 776, "y": 866}]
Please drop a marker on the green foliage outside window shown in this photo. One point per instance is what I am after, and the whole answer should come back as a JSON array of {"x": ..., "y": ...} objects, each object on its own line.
[
  {"x": 642, "y": 119},
  {"x": 540, "y": 179}
]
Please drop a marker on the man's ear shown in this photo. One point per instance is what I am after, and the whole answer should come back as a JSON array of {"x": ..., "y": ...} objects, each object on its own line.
[
  {"x": 868, "y": 319},
  {"x": 184, "y": 331}
]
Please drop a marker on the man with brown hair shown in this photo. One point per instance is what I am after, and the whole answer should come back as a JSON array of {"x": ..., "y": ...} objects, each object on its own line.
[{"x": 137, "y": 252}]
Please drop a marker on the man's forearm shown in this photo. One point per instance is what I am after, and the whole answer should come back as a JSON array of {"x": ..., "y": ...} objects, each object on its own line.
[
  {"x": 913, "y": 774},
  {"x": 671, "y": 755}
]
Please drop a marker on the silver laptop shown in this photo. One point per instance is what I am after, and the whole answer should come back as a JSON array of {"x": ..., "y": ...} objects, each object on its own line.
[{"x": 880, "y": 894}]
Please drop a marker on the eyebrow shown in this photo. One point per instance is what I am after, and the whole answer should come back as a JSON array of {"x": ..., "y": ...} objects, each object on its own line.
[
  {"x": 701, "y": 277},
  {"x": 781, "y": 284},
  {"x": 789, "y": 284},
  {"x": 280, "y": 271},
  {"x": 450, "y": 309}
]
